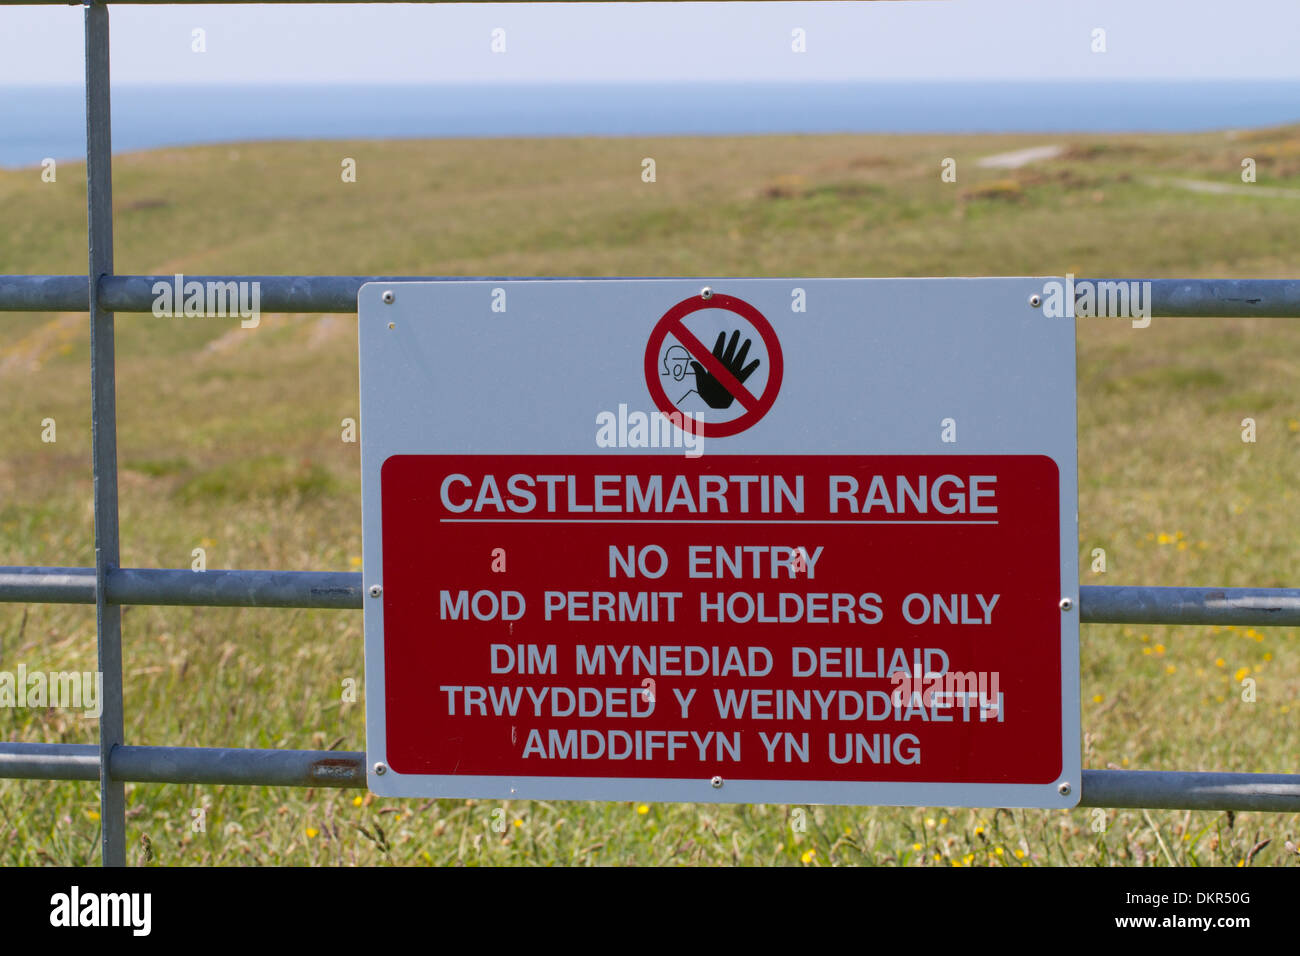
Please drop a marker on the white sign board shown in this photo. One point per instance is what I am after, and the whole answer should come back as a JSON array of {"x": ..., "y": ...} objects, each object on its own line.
[{"x": 734, "y": 540}]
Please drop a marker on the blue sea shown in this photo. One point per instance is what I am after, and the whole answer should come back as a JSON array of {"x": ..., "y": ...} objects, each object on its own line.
[{"x": 36, "y": 122}]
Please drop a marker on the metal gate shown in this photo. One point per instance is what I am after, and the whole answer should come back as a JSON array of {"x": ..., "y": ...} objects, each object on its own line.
[{"x": 109, "y": 587}]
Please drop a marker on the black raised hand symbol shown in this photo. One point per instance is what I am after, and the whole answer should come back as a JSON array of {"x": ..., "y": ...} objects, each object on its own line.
[{"x": 711, "y": 390}]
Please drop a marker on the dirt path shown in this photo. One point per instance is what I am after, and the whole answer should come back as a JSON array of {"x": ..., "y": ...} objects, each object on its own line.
[{"x": 1019, "y": 157}]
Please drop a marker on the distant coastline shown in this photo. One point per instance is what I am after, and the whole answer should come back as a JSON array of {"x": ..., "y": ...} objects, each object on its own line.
[{"x": 41, "y": 121}]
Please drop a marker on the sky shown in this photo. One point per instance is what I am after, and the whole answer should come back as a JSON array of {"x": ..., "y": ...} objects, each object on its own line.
[{"x": 663, "y": 42}]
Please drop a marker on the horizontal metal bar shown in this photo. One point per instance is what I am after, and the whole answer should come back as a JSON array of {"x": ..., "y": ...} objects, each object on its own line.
[
  {"x": 343, "y": 589},
  {"x": 1278, "y": 607},
  {"x": 267, "y": 768},
  {"x": 1173, "y": 790},
  {"x": 213, "y": 765},
  {"x": 136, "y": 293},
  {"x": 47, "y": 585},
  {"x": 322, "y": 589},
  {"x": 286, "y": 768},
  {"x": 319, "y": 589},
  {"x": 1221, "y": 298},
  {"x": 44, "y": 294},
  {"x": 327, "y": 768},
  {"x": 303, "y": 294},
  {"x": 49, "y": 761}
]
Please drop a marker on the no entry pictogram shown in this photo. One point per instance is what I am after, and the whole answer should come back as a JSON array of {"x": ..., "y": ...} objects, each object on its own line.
[{"x": 714, "y": 365}]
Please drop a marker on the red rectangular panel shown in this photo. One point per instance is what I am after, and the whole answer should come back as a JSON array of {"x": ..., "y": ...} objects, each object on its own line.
[{"x": 802, "y": 669}]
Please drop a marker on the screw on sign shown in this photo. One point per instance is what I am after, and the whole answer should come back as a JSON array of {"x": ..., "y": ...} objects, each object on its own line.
[{"x": 718, "y": 376}]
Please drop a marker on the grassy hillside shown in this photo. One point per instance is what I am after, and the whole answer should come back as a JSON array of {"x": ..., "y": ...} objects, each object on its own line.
[{"x": 230, "y": 441}]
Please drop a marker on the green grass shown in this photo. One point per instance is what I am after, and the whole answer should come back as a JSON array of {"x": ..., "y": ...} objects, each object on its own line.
[{"x": 230, "y": 441}]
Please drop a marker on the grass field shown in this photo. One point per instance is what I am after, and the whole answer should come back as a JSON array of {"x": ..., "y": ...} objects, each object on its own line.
[{"x": 230, "y": 440}]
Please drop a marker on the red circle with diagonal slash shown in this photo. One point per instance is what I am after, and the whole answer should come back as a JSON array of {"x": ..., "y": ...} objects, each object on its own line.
[{"x": 756, "y": 406}]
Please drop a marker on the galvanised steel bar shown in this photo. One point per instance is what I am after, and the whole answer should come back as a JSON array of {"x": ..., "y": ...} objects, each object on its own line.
[
  {"x": 44, "y": 294},
  {"x": 320, "y": 589},
  {"x": 248, "y": 768},
  {"x": 1247, "y": 607},
  {"x": 154, "y": 586},
  {"x": 1148, "y": 605},
  {"x": 328, "y": 768},
  {"x": 49, "y": 761},
  {"x": 305, "y": 294},
  {"x": 103, "y": 426},
  {"x": 48, "y": 585},
  {"x": 1208, "y": 298},
  {"x": 210, "y": 765},
  {"x": 1166, "y": 790},
  {"x": 1212, "y": 298}
]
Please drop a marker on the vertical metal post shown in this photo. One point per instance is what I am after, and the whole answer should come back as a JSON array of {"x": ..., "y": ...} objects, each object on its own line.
[{"x": 103, "y": 425}]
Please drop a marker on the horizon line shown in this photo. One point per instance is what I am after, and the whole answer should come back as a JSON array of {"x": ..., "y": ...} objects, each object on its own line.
[{"x": 606, "y": 82}]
